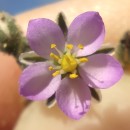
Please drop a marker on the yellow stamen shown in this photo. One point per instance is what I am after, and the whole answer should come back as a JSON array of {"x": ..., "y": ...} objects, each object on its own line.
[
  {"x": 80, "y": 46},
  {"x": 53, "y": 45},
  {"x": 52, "y": 55},
  {"x": 56, "y": 73},
  {"x": 73, "y": 76},
  {"x": 50, "y": 68},
  {"x": 68, "y": 62},
  {"x": 69, "y": 46},
  {"x": 82, "y": 60}
]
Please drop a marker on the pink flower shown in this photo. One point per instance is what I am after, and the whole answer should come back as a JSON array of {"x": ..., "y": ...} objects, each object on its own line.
[{"x": 70, "y": 69}]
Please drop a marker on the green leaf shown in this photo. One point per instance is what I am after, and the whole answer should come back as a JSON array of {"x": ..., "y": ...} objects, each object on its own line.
[
  {"x": 95, "y": 94},
  {"x": 61, "y": 22}
]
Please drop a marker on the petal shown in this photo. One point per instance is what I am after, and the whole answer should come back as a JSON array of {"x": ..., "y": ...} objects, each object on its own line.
[
  {"x": 101, "y": 71},
  {"x": 73, "y": 97},
  {"x": 87, "y": 29},
  {"x": 36, "y": 82},
  {"x": 42, "y": 33}
]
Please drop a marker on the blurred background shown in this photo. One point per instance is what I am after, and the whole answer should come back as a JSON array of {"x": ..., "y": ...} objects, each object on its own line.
[
  {"x": 11, "y": 39},
  {"x": 17, "y": 6}
]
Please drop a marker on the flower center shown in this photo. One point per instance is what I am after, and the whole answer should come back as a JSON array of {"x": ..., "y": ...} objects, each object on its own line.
[{"x": 66, "y": 63}]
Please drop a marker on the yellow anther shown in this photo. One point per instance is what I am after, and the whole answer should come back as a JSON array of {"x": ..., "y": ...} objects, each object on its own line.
[
  {"x": 69, "y": 46},
  {"x": 80, "y": 46},
  {"x": 50, "y": 68},
  {"x": 56, "y": 73},
  {"x": 82, "y": 60},
  {"x": 73, "y": 76},
  {"x": 53, "y": 45},
  {"x": 52, "y": 55}
]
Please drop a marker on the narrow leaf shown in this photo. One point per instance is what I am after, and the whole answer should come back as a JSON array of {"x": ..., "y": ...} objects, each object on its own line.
[
  {"x": 105, "y": 50},
  {"x": 51, "y": 101},
  {"x": 62, "y": 23},
  {"x": 96, "y": 95}
]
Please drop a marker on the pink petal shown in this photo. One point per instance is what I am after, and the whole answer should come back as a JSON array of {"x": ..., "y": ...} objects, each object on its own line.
[
  {"x": 36, "y": 82},
  {"x": 87, "y": 29},
  {"x": 42, "y": 33},
  {"x": 73, "y": 97},
  {"x": 101, "y": 71}
]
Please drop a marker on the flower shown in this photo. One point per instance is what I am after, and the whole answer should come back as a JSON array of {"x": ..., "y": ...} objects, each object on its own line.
[{"x": 70, "y": 69}]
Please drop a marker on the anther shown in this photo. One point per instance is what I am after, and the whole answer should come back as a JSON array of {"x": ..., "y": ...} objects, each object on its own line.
[
  {"x": 56, "y": 73},
  {"x": 82, "y": 60},
  {"x": 80, "y": 46},
  {"x": 73, "y": 76},
  {"x": 69, "y": 46},
  {"x": 50, "y": 68},
  {"x": 53, "y": 45}
]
